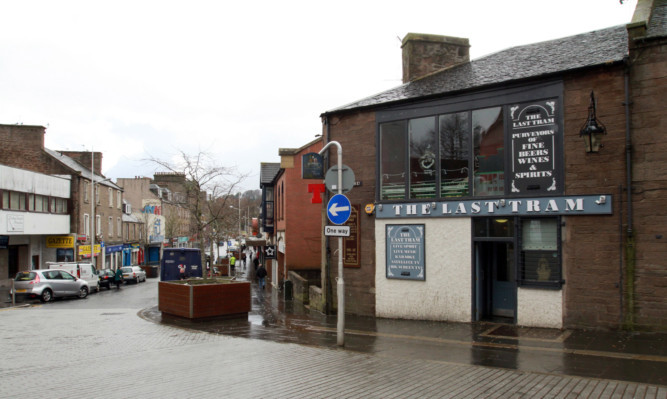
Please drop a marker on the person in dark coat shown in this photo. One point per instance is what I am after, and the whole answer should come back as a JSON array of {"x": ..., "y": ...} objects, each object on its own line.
[
  {"x": 118, "y": 278},
  {"x": 261, "y": 276}
]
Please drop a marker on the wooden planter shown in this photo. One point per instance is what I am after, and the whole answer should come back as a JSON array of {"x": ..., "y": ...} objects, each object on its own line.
[{"x": 197, "y": 301}]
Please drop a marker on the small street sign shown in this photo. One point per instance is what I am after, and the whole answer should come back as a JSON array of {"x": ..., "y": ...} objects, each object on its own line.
[
  {"x": 339, "y": 209},
  {"x": 331, "y": 179},
  {"x": 337, "y": 231}
]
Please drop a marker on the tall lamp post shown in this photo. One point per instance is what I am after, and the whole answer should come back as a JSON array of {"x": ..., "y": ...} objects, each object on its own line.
[
  {"x": 92, "y": 207},
  {"x": 239, "y": 209}
]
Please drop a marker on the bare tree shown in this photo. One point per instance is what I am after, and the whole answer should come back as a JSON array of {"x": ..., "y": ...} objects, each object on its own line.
[{"x": 207, "y": 188}]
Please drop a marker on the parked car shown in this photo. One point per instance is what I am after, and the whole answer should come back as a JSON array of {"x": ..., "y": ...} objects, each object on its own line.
[
  {"x": 49, "y": 284},
  {"x": 106, "y": 277},
  {"x": 133, "y": 273},
  {"x": 83, "y": 270}
]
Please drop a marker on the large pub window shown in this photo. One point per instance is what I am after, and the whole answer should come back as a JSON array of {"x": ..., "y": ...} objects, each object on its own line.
[
  {"x": 489, "y": 152},
  {"x": 454, "y": 154},
  {"x": 423, "y": 157},
  {"x": 500, "y": 143},
  {"x": 392, "y": 167}
]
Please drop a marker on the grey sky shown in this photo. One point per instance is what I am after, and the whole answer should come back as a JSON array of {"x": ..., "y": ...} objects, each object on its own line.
[{"x": 236, "y": 79}]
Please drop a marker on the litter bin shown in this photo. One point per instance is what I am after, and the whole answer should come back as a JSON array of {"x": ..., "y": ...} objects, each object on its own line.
[{"x": 288, "y": 290}]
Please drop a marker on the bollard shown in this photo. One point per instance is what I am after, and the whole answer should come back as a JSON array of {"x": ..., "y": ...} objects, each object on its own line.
[{"x": 288, "y": 290}]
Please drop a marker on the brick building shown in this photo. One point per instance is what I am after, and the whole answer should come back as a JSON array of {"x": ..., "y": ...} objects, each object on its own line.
[
  {"x": 23, "y": 147},
  {"x": 488, "y": 203},
  {"x": 297, "y": 219}
]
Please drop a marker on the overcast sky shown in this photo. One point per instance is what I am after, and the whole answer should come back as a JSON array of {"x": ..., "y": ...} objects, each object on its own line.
[{"x": 238, "y": 79}]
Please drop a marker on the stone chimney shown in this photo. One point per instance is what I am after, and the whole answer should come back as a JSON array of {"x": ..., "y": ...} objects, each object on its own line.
[
  {"x": 424, "y": 54},
  {"x": 84, "y": 158}
]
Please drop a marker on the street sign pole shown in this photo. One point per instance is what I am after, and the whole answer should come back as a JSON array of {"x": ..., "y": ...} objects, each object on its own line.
[{"x": 340, "y": 335}]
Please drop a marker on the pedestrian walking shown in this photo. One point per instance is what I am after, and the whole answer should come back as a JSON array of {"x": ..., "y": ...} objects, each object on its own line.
[
  {"x": 261, "y": 276},
  {"x": 118, "y": 278},
  {"x": 232, "y": 265},
  {"x": 255, "y": 262}
]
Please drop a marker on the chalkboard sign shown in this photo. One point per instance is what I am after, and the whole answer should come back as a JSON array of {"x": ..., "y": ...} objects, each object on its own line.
[{"x": 405, "y": 252}]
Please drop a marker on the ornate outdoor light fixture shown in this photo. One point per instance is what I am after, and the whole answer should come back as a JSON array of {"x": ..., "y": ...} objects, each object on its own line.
[{"x": 593, "y": 130}]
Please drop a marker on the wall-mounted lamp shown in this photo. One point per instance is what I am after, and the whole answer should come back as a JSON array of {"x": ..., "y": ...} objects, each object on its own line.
[{"x": 593, "y": 130}]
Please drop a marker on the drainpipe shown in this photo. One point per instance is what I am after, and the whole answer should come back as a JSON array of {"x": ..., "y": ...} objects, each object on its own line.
[{"x": 630, "y": 239}]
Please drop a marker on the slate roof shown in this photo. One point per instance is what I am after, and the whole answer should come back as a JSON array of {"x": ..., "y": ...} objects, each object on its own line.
[
  {"x": 657, "y": 25},
  {"x": 268, "y": 171},
  {"x": 517, "y": 63},
  {"x": 77, "y": 167}
]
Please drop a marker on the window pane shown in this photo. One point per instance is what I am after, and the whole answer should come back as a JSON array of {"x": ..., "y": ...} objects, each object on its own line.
[
  {"x": 493, "y": 227},
  {"x": 454, "y": 154},
  {"x": 489, "y": 143},
  {"x": 392, "y": 161},
  {"x": 31, "y": 202},
  {"x": 13, "y": 200},
  {"x": 5, "y": 199},
  {"x": 423, "y": 147},
  {"x": 539, "y": 251}
]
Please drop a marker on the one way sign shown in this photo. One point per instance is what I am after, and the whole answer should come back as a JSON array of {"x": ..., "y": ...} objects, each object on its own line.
[
  {"x": 337, "y": 231},
  {"x": 339, "y": 209}
]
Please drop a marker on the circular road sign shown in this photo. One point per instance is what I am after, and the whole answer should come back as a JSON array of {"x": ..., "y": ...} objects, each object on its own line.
[
  {"x": 339, "y": 209},
  {"x": 331, "y": 179}
]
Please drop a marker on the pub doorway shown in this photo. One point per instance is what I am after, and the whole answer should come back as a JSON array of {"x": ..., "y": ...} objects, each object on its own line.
[{"x": 494, "y": 270}]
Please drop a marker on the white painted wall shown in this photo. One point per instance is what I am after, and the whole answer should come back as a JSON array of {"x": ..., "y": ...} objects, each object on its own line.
[
  {"x": 446, "y": 294},
  {"x": 35, "y": 183},
  {"x": 540, "y": 308},
  {"x": 31, "y": 223}
]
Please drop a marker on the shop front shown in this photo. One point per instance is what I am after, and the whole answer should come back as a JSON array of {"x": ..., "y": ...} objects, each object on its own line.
[{"x": 472, "y": 208}]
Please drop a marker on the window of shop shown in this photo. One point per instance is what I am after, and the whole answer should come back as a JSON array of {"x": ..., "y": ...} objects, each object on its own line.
[
  {"x": 86, "y": 224},
  {"x": 423, "y": 153},
  {"x": 489, "y": 152},
  {"x": 481, "y": 145},
  {"x": 454, "y": 154},
  {"x": 540, "y": 259},
  {"x": 392, "y": 167}
]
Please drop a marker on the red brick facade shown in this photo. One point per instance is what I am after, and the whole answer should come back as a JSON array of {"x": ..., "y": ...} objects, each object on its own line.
[{"x": 298, "y": 224}]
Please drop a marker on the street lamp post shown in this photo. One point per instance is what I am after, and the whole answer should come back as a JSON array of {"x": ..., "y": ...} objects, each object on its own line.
[{"x": 92, "y": 207}]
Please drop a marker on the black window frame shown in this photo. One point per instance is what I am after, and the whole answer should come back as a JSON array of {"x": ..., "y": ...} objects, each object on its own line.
[
  {"x": 555, "y": 283},
  {"x": 469, "y": 102}
]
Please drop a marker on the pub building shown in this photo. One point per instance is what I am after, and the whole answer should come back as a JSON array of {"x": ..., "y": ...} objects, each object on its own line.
[{"x": 525, "y": 187}]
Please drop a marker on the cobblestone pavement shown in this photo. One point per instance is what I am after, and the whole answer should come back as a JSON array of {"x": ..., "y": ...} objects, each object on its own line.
[{"x": 112, "y": 352}]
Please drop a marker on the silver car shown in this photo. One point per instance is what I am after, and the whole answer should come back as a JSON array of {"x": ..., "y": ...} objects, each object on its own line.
[
  {"x": 49, "y": 284},
  {"x": 133, "y": 273}
]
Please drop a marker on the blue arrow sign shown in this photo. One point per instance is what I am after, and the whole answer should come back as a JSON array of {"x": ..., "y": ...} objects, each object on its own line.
[{"x": 338, "y": 209}]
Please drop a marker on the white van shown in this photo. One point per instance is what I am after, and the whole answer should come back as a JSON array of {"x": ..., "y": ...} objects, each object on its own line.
[{"x": 84, "y": 271}]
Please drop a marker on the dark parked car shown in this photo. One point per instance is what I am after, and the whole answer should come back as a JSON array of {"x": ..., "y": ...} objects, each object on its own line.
[{"x": 106, "y": 278}]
